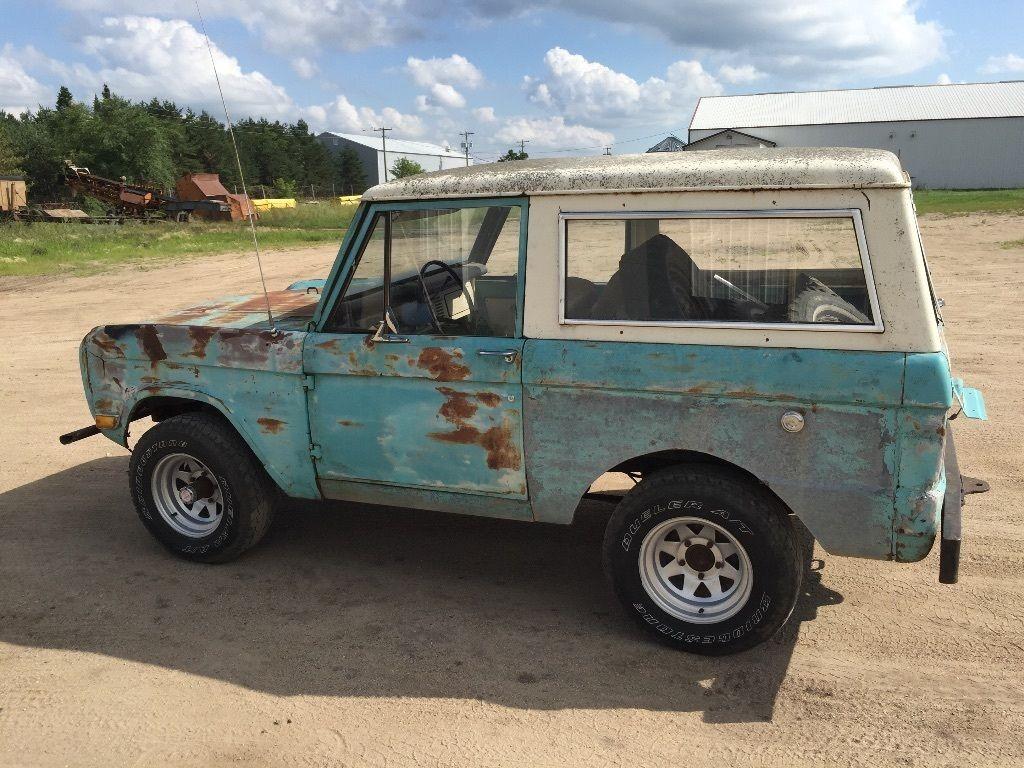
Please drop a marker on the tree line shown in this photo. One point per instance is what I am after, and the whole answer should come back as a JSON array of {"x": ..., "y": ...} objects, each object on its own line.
[{"x": 159, "y": 141}]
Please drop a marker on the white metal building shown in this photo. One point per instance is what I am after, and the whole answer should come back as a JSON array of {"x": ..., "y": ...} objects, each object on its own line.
[
  {"x": 371, "y": 151},
  {"x": 958, "y": 136}
]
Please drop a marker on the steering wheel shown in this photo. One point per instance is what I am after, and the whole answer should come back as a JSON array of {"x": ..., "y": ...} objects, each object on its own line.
[{"x": 430, "y": 300}]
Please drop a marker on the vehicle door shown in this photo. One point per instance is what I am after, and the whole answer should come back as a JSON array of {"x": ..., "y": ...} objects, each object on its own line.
[{"x": 416, "y": 366}]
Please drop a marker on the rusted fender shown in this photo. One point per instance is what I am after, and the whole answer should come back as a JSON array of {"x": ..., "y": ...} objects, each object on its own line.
[{"x": 252, "y": 376}]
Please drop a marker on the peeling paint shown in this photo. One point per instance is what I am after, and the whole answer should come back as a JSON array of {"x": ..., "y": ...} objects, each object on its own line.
[
  {"x": 442, "y": 364},
  {"x": 271, "y": 426}
]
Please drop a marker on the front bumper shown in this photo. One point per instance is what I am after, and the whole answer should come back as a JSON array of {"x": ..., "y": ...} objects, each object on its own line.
[{"x": 957, "y": 487}]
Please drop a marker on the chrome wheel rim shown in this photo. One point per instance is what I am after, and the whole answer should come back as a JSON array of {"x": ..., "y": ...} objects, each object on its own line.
[
  {"x": 187, "y": 495},
  {"x": 695, "y": 570}
]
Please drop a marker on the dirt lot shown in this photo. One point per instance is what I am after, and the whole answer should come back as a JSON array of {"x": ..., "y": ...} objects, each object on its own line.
[{"x": 366, "y": 637}]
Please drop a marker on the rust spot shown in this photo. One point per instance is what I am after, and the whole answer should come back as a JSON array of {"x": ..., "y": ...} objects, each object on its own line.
[
  {"x": 502, "y": 452},
  {"x": 497, "y": 441},
  {"x": 243, "y": 347},
  {"x": 940, "y": 431},
  {"x": 149, "y": 340},
  {"x": 200, "y": 335},
  {"x": 107, "y": 344},
  {"x": 271, "y": 426},
  {"x": 349, "y": 423},
  {"x": 105, "y": 404},
  {"x": 331, "y": 345},
  {"x": 457, "y": 407},
  {"x": 490, "y": 399},
  {"x": 441, "y": 364}
]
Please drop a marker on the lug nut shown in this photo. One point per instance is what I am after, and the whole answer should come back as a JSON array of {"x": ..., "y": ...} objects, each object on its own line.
[{"x": 700, "y": 576}]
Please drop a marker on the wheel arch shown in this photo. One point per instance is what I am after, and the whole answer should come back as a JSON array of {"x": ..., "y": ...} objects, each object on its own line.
[
  {"x": 168, "y": 402},
  {"x": 655, "y": 461}
]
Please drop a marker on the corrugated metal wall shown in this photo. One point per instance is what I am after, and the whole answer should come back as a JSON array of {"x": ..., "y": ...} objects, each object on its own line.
[{"x": 985, "y": 153}]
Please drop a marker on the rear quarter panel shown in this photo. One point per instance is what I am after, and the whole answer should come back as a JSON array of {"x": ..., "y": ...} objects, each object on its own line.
[{"x": 591, "y": 405}]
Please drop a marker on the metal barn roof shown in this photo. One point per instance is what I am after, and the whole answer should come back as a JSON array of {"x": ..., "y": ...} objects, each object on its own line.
[
  {"x": 800, "y": 168},
  {"x": 866, "y": 105},
  {"x": 397, "y": 145}
]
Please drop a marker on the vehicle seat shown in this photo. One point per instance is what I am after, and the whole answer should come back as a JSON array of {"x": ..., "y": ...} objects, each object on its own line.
[
  {"x": 580, "y": 296},
  {"x": 654, "y": 281}
]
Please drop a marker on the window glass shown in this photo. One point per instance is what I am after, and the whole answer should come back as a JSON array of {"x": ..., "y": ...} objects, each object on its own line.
[
  {"x": 362, "y": 306},
  {"x": 716, "y": 269},
  {"x": 454, "y": 270}
]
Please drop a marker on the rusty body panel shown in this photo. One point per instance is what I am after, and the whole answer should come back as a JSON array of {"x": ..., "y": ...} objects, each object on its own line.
[
  {"x": 430, "y": 415},
  {"x": 224, "y": 356},
  {"x": 849, "y": 475}
]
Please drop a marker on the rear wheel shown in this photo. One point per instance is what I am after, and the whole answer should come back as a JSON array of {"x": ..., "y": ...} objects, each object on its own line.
[
  {"x": 704, "y": 558},
  {"x": 198, "y": 488}
]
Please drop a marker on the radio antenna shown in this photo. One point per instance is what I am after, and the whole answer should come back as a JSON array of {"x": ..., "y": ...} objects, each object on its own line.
[{"x": 250, "y": 213}]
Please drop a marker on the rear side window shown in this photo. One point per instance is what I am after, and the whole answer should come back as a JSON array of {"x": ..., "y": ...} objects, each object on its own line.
[{"x": 776, "y": 268}]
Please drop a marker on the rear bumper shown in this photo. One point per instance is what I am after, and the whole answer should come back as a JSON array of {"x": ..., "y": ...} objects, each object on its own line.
[{"x": 957, "y": 487}]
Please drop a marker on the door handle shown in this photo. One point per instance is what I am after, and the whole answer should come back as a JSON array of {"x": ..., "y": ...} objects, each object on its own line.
[{"x": 509, "y": 355}]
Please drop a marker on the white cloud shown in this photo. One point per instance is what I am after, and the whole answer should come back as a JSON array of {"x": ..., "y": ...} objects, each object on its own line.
[
  {"x": 342, "y": 116},
  {"x": 548, "y": 132},
  {"x": 588, "y": 90},
  {"x": 943, "y": 79},
  {"x": 440, "y": 78},
  {"x": 304, "y": 68},
  {"x": 142, "y": 57},
  {"x": 807, "y": 40},
  {"x": 746, "y": 73},
  {"x": 20, "y": 91},
  {"x": 485, "y": 114},
  {"x": 453, "y": 70},
  {"x": 1011, "y": 63},
  {"x": 811, "y": 40}
]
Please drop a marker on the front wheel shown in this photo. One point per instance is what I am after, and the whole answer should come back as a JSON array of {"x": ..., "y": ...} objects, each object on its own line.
[
  {"x": 199, "y": 490},
  {"x": 704, "y": 558}
]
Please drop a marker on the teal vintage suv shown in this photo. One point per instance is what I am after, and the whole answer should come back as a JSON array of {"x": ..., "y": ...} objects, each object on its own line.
[{"x": 749, "y": 339}]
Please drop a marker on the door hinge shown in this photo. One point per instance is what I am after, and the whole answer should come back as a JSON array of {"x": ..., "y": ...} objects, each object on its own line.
[
  {"x": 315, "y": 452},
  {"x": 308, "y": 382}
]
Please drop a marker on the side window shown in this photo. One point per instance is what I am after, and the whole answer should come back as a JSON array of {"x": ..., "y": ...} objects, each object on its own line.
[
  {"x": 361, "y": 307},
  {"x": 454, "y": 270},
  {"x": 722, "y": 269}
]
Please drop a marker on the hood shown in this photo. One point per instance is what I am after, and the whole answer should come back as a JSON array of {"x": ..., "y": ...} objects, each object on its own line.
[{"x": 291, "y": 310}]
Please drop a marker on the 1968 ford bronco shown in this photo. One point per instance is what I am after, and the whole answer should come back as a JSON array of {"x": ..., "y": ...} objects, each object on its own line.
[{"x": 751, "y": 336}]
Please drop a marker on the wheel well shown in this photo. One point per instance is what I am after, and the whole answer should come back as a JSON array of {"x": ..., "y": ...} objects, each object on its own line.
[
  {"x": 161, "y": 407},
  {"x": 652, "y": 462},
  {"x": 638, "y": 466}
]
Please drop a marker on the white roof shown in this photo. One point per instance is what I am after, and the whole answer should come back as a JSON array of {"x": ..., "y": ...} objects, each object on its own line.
[
  {"x": 397, "y": 145},
  {"x": 865, "y": 105},
  {"x": 790, "y": 168}
]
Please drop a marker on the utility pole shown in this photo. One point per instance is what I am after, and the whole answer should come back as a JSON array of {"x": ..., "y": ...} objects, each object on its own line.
[
  {"x": 466, "y": 144},
  {"x": 522, "y": 146},
  {"x": 607, "y": 150},
  {"x": 384, "y": 146}
]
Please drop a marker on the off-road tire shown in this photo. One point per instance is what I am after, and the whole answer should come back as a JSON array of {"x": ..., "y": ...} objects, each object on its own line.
[
  {"x": 747, "y": 512},
  {"x": 249, "y": 495},
  {"x": 817, "y": 303}
]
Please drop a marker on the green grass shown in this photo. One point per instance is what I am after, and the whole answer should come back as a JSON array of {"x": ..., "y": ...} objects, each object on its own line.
[
  {"x": 308, "y": 216},
  {"x": 960, "y": 201},
  {"x": 42, "y": 249}
]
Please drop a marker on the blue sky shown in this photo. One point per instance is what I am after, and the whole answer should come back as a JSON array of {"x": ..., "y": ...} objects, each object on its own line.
[{"x": 568, "y": 75}]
